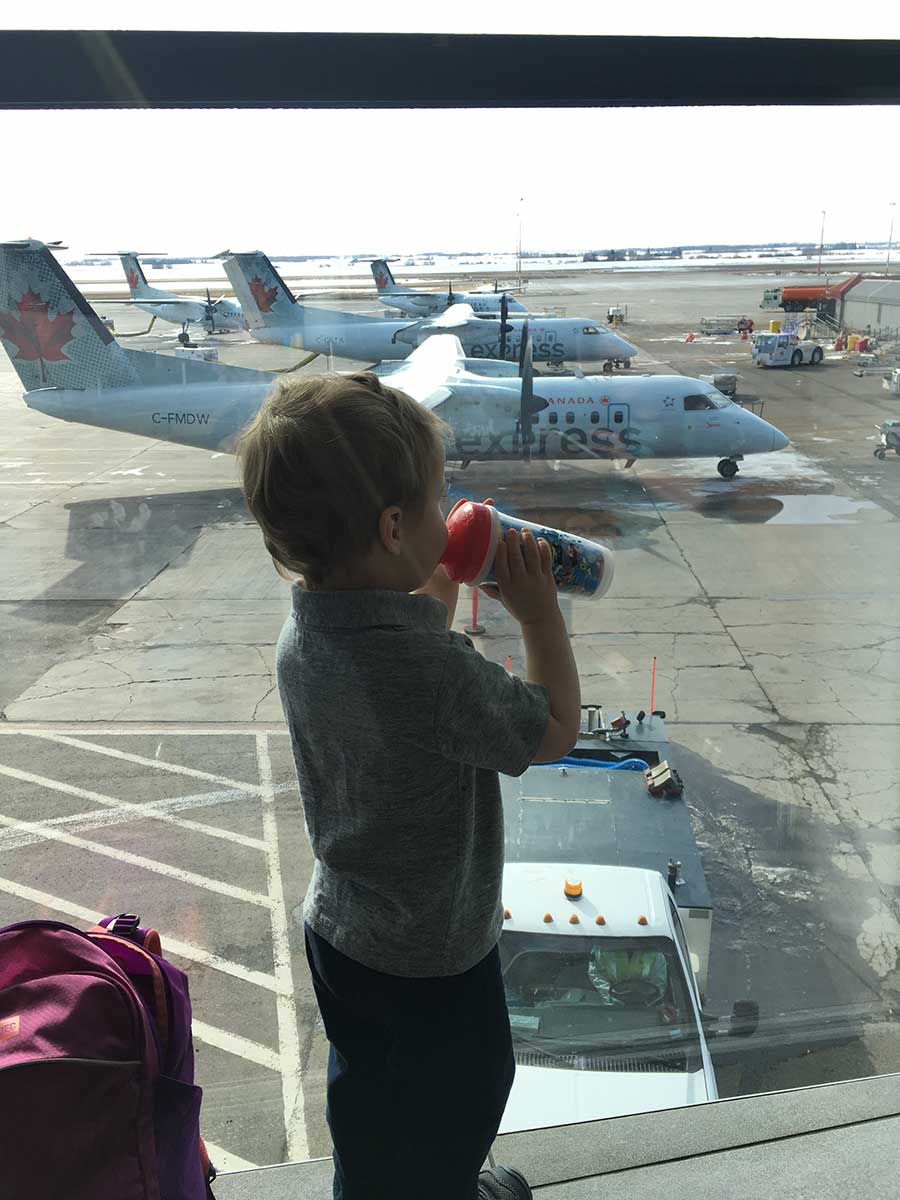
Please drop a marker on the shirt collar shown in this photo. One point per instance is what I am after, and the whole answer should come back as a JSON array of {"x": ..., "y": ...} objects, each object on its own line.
[{"x": 366, "y": 609}]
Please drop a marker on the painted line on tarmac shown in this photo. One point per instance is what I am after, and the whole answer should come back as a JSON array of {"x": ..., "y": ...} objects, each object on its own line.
[
  {"x": 129, "y": 807},
  {"x": 137, "y": 860},
  {"x": 100, "y": 729},
  {"x": 224, "y": 1161},
  {"x": 171, "y": 945},
  {"x": 286, "y": 1005},
  {"x": 233, "y": 1043},
  {"x": 102, "y": 818},
  {"x": 140, "y": 760}
]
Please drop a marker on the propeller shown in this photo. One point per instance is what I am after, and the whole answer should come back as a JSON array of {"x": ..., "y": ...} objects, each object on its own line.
[
  {"x": 527, "y": 406},
  {"x": 211, "y": 311},
  {"x": 506, "y": 328}
]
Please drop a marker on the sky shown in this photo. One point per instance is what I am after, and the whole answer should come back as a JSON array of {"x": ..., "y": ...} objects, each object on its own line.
[
  {"x": 346, "y": 182},
  {"x": 662, "y": 18},
  {"x": 357, "y": 181}
]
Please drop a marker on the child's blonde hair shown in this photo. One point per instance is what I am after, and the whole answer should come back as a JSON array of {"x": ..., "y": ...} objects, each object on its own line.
[{"x": 323, "y": 458}]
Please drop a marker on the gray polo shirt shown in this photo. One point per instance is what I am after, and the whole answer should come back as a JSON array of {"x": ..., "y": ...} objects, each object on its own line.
[{"x": 399, "y": 728}]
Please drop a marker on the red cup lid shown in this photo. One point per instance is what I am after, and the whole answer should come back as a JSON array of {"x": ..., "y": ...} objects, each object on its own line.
[{"x": 469, "y": 525}]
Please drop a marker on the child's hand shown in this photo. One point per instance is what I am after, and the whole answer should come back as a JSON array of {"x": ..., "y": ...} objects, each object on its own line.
[{"x": 524, "y": 571}]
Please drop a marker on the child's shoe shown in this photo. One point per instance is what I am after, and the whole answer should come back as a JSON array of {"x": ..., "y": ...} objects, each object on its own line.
[{"x": 503, "y": 1183}]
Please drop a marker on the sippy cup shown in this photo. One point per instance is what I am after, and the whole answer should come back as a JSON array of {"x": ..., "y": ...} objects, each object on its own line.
[{"x": 581, "y": 568}]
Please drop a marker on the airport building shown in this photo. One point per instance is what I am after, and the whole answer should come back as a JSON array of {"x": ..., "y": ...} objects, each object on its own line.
[{"x": 873, "y": 305}]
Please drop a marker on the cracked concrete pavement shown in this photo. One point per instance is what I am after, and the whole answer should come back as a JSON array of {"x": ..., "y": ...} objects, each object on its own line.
[{"x": 135, "y": 590}]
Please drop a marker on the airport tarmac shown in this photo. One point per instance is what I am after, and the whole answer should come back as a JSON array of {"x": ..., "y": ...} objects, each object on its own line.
[{"x": 146, "y": 767}]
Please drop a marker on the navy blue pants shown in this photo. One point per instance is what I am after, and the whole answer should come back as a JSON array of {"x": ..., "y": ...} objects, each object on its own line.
[{"x": 418, "y": 1075}]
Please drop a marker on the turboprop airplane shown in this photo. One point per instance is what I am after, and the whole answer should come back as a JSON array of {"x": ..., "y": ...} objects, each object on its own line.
[
  {"x": 73, "y": 368},
  {"x": 423, "y": 304},
  {"x": 274, "y": 315},
  {"x": 215, "y": 316}
]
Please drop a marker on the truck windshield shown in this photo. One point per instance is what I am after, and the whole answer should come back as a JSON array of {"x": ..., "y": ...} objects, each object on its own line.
[{"x": 586, "y": 1003}]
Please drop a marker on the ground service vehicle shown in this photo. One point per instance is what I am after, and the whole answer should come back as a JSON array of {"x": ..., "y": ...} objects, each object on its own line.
[
  {"x": 784, "y": 350},
  {"x": 889, "y": 432},
  {"x": 823, "y": 297},
  {"x": 606, "y": 935}
]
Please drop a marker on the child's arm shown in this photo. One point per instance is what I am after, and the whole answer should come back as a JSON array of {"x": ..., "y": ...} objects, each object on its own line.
[
  {"x": 525, "y": 585},
  {"x": 442, "y": 588}
]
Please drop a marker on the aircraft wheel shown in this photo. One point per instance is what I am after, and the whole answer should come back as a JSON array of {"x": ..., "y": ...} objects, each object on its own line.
[
  {"x": 879, "y": 453},
  {"x": 727, "y": 468},
  {"x": 184, "y": 338},
  {"x": 607, "y": 368},
  {"x": 627, "y": 364}
]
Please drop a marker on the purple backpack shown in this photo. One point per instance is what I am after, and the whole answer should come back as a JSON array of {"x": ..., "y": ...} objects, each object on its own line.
[{"x": 97, "y": 1093}]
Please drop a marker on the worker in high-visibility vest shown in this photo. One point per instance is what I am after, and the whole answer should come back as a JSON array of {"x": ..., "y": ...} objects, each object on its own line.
[{"x": 608, "y": 969}]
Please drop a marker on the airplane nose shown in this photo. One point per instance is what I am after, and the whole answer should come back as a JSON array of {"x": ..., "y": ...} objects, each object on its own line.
[
  {"x": 625, "y": 349},
  {"x": 779, "y": 440}
]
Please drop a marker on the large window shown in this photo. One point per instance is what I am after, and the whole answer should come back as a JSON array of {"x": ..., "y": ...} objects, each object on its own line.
[{"x": 144, "y": 759}]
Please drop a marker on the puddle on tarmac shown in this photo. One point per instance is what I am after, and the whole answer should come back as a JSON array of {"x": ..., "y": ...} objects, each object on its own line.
[{"x": 791, "y": 510}]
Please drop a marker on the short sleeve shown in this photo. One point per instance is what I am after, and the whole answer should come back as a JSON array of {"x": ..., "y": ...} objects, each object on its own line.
[{"x": 486, "y": 717}]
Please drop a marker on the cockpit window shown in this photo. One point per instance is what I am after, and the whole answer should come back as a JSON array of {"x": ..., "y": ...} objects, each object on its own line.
[
  {"x": 697, "y": 403},
  {"x": 590, "y": 329}
]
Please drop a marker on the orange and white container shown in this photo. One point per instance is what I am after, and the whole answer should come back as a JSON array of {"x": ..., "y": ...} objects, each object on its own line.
[{"x": 580, "y": 568}]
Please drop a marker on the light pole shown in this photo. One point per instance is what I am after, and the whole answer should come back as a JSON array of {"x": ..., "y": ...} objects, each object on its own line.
[
  {"x": 892, "y": 205},
  {"x": 519, "y": 244},
  {"x": 821, "y": 244}
]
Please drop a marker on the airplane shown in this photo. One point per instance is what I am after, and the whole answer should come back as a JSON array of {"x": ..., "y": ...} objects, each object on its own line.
[
  {"x": 274, "y": 315},
  {"x": 424, "y": 304},
  {"x": 215, "y": 316},
  {"x": 73, "y": 368}
]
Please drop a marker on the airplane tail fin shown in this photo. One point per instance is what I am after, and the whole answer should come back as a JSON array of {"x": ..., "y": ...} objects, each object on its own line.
[
  {"x": 51, "y": 334},
  {"x": 383, "y": 276},
  {"x": 262, "y": 294},
  {"x": 134, "y": 273}
]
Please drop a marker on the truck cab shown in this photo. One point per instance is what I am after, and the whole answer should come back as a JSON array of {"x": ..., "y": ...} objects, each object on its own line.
[
  {"x": 606, "y": 933},
  {"x": 605, "y": 1017}
]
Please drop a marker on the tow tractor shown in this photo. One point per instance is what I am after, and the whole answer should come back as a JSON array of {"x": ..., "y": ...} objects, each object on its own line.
[
  {"x": 889, "y": 432},
  {"x": 891, "y": 382},
  {"x": 785, "y": 350},
  {"x": 606, "y": 933}
]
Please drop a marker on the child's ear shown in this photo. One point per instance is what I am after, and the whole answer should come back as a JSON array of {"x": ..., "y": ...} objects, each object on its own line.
[{"x": 389, "y": 524}]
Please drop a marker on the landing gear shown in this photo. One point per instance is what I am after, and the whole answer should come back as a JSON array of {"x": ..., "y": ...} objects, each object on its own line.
[
  {"x": 607, "y": 368},
  {"x": 880, "y": 452},
  {"x": 727, "y": 468}
]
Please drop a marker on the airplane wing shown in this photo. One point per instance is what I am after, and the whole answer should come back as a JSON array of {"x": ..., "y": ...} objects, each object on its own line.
[
  {"x": 453, "y": 317},
  {"x": 427, "y": 372}
]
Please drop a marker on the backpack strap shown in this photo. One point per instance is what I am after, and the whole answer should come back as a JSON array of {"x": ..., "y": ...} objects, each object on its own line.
[
  {"x": 161, "y": 1004},
  {"x": 128, "y": 925}
]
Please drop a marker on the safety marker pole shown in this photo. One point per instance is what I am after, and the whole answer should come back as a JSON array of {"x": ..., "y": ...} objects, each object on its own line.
[
  {"x": 474, "y": 627},
  {"x": 652, "y": 685}
]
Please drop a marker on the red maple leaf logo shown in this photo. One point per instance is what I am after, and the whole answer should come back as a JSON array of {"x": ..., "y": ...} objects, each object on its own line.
[
  {"x": 132, "y": 277},
  {"x": 264, "y": 297},
  {"x": 381, "y": 279},
  {"x": 37, "y": 336}
]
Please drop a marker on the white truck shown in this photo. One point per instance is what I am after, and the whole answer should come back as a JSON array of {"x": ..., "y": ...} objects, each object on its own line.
[
  {"x": 784, "y": 350},
  {"x": 606, "y": 935}
]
